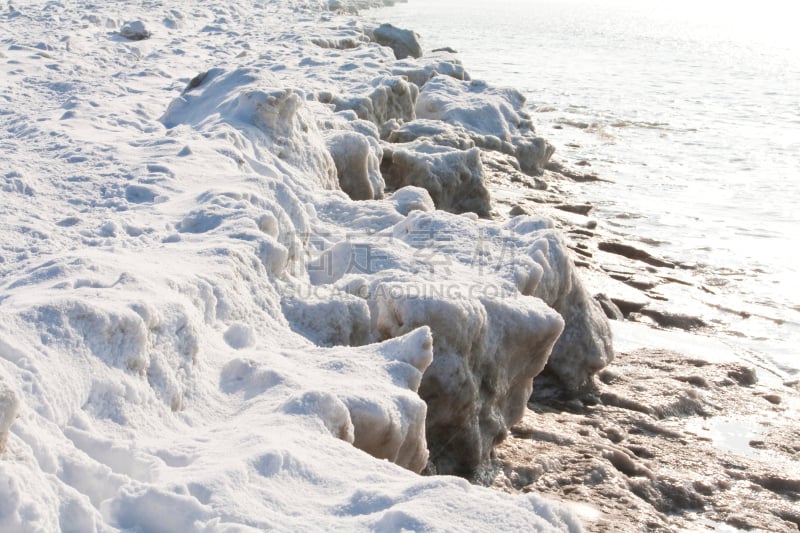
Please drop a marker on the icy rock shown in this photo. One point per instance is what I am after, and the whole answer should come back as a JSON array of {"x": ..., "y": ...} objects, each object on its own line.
[
  {"x": 412, "y": 198},
  {"x": 631, "y": 252},
  {"x": 357, "y": 159},
  {"x": 135, "y": 31},
  {"x": 390, "y": 97},
  {"x": 454, "y": 178},
  {"x": 433, "y": 131},
  {"x": 404, "y": 43},
  {"x": 277, "y": 120},
  {"x": 494, "y": 117},
  {"x": 486, "y": 353},
  {"x": 533, "y": 153},
  {"x": 9, "y": 407}
]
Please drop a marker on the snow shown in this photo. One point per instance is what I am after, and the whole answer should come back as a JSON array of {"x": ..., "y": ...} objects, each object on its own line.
[{"x": 212, "y": 319}]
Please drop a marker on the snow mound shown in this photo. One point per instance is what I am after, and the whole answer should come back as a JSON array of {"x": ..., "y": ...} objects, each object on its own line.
[
  {"x": 495, "y": 118},
  {"x": 412, "y": 198},
  {"x": 277, "y": 120},
  {"x": 135, "y": 31}
]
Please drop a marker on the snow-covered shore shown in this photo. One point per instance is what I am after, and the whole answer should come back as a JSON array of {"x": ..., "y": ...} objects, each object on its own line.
[{"x": 200, "y": 331}]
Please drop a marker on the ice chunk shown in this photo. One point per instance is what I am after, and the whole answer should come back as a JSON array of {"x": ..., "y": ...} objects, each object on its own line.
[
  {"x": 585, "y": 347},
  {"x": 419, "y": 71},
  {"x": 388, "y": 97},
  {"x": 358, "y": 159},
  {"x": 404, "y": 43},
  {"x": 494, "y": 117},
  {"x": 486, "y": 353},
  {"x": 454, "y": 178}
]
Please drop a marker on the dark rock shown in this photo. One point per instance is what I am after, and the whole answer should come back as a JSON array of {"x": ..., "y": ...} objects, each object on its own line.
[
  {"x": 445, "y": 49},
  {"x": 697, "y": 381},
  {"x": 555, "y": 166},
  {"x": 196, "y": 82},
  {"x": 779, "y": 484},
  {"x": 580, "y": 251},
  {"x": 743, "y": 375},
  {"x": 583, "y": 209},
  {"x": 517, "y": 211},
  {"x": 404, "y": 43},
  {"x": 611, "y": 309},
  {"x": 774, "y": 399},
  {"x": 626, "y": 250},
  {"x": 673, "y": 320},
  {"x": 627, "y": 307}
]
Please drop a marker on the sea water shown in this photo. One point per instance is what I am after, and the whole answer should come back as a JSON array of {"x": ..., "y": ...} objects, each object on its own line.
[{"x": 690, "y": 108}]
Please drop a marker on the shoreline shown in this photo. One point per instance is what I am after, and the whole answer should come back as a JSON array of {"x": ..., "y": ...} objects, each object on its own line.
[{"x": 631, "y": 465}]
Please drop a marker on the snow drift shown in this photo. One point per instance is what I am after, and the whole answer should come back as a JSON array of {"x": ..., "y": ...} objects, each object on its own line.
[{"x": 215, "y": 320}]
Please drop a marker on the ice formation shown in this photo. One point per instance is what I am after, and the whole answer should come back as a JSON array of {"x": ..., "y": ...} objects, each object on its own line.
[
  {"x": 494, "y": 117},
  {"x": 404, "y": 43},
  {"x": 454, "y": 178},
  {"x": 215, "y": 320}
]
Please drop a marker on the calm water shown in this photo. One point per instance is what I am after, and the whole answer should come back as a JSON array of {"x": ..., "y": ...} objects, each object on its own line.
[{"x": 693, "y": 110}]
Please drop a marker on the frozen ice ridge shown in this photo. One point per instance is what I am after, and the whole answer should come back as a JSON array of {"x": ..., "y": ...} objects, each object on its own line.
[{"x": 263, "y": 286}]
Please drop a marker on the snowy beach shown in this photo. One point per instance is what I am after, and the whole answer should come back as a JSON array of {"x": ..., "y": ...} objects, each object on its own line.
[{"x": 271, "y": 266}]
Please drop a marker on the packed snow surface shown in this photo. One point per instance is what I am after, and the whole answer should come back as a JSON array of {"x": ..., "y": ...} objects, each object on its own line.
[{"x": 212, "y": 317}]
